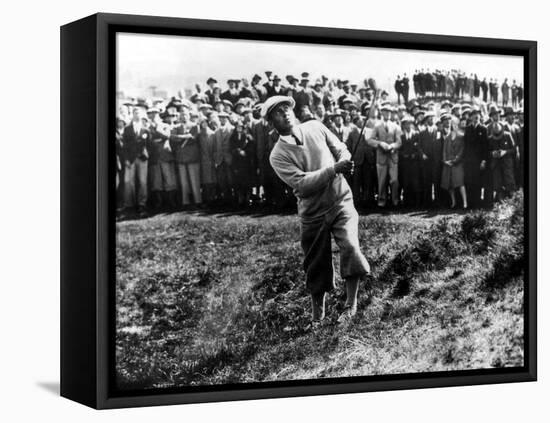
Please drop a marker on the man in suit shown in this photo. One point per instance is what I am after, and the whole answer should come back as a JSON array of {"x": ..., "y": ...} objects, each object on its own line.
[
  {"x": 223, "y": 158},
  {"x": 484, "y": 88},
  {"x": 162, "y": 173},
  {"x": 502, "y": 151},
  {"x": 134, "y": 152},
  {"x": 185, "y": 145},
  {"x": 410, "y": 161},
  {"x": 387, "y": 141},
  {"x": 209, "y": 93},
  {"x": 476, "y": 154},
  {"x": 505, "y": 88}
]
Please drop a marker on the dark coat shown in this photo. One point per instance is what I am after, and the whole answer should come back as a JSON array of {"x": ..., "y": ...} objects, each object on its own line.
[
  {"x": 134, "y": 145},
  {"x": 476, "y": 150}
]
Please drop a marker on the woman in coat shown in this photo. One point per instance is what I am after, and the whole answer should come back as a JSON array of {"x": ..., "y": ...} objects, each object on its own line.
[{"x": 452, "y": 175}]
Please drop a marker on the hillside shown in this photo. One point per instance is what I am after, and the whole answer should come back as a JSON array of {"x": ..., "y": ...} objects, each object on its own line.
[{"x": 216, "y": 298}]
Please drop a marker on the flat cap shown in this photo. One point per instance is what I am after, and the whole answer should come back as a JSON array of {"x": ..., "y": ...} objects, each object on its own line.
[{"x": 273, "y": 102}]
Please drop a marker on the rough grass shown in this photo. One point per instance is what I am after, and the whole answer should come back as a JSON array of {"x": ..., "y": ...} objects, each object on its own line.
[{"x": 214, "y": 299}]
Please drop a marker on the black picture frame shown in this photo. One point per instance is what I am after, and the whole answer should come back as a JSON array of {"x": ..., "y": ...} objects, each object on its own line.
[{"x": 88, "y": 224}]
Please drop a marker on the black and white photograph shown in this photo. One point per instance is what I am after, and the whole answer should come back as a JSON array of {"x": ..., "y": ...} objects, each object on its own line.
[{"x": 296, "y": 211}]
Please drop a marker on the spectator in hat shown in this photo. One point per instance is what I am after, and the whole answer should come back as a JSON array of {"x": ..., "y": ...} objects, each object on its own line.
[
  {"x": 387, "y": 141},
  {"x": 134, "y": 151},
  {"x": 162, "y": 173},
  {"x": 514, "y": 92},
  {"x": 293, "y": 87},
  {"x": 452, "y": 175},
  {"x": 207, "y": 144},
  {"x": 484, "y": 89},
  {"x": 211, "y": 82},
  {"x": 259, "y": 88},
  {"x": 476, "y": 155},
  {"x": 223, "y": 158},
  {"x": 398, "y": 88},
  {"x": 243, "y": 151},
  {"x": 410, "y": 158},
  {"x": 185, "y": 144},
  {"x": 233, "y": 93},
  {"x": 304, "y": 97},
  {"x": 247, "y": 92},
  {"x": 502, "y": 152},
  {"x": 312, "y": 161},
  {"x": 505, "y": 89},
  {"x": 405, "y": 88},
  {"x": 275, "y": 88}
]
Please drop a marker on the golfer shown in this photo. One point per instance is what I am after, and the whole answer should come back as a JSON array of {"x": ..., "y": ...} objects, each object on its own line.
[{"x": 312, "y": 161}]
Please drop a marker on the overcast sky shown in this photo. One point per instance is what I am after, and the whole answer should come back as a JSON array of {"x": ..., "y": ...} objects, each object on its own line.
[{"x": 175, "y": 62}]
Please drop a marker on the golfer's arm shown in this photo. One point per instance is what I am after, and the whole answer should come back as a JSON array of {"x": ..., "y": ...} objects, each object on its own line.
[
  {"x": 304, "y": 183},
  {"x": 338, "y": 148}
]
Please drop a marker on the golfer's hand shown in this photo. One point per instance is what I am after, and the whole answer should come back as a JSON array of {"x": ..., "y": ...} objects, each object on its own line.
[{"x": 344, "y": 166}]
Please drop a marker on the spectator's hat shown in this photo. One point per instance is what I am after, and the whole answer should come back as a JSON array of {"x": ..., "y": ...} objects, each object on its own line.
[
  {"x": 246, "y": 110},
  {"x": 418, "y": 113},
  {"x": 337, "y": 112},
  {"x": 445, "y": 116},
  {"x": 276, "y": 78},
  {"x": 475, "y": 110},
  {"x": 384, "y": 92},
  {"x": 509, "y": 111},
  {"x": 445, "y": 103},
  {"x": 455, "y": 107},
  {"x": 218, "y": 102},
  {"x": 227, "y": 103},
  {"x": 324, "y": 78},
  {"x": 406, "y": 119},
  {"x": 362, "y": 89},
  {"x": 256, "y": 77},
  {"x": 268, "y": 75},
  {"x": 353, "y": 85},
  {"x": 152, "y": 110},
  {"x": 305, "y": 76},
  {"x": 428, "y": 115},
  {"x": 197, "y": 97},
  {"x": 273, "y": 102},
  {"x": 223, "y": 114},
  {"x": 318, "y": 83},
  {"x": 347, "y": 99},
  {"x": 211, "y": 81},
  {"x": 386, "y": 107},
  {"x": 193, "y": 113},
  {"x": 205, "y": 106},
  {"x": 241, "y": 102},
  {"x": 290, "y": 79},
  {"x": 494, "y": 110},
  {"x": 352, "y": 106}
]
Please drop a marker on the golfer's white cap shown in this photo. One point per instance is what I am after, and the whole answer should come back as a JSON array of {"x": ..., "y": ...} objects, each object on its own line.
[{"x": 274, "y": 101}]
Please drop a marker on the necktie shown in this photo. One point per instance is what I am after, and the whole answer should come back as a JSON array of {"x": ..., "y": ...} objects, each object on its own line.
[{"x": 298, "y": 142}]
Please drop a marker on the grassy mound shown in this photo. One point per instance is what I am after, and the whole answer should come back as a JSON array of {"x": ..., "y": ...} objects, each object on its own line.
[{"x": 221, "y": 299}]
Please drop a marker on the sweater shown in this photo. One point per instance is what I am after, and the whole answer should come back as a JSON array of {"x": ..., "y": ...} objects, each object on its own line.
[{"x": 309, "y": 169}]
